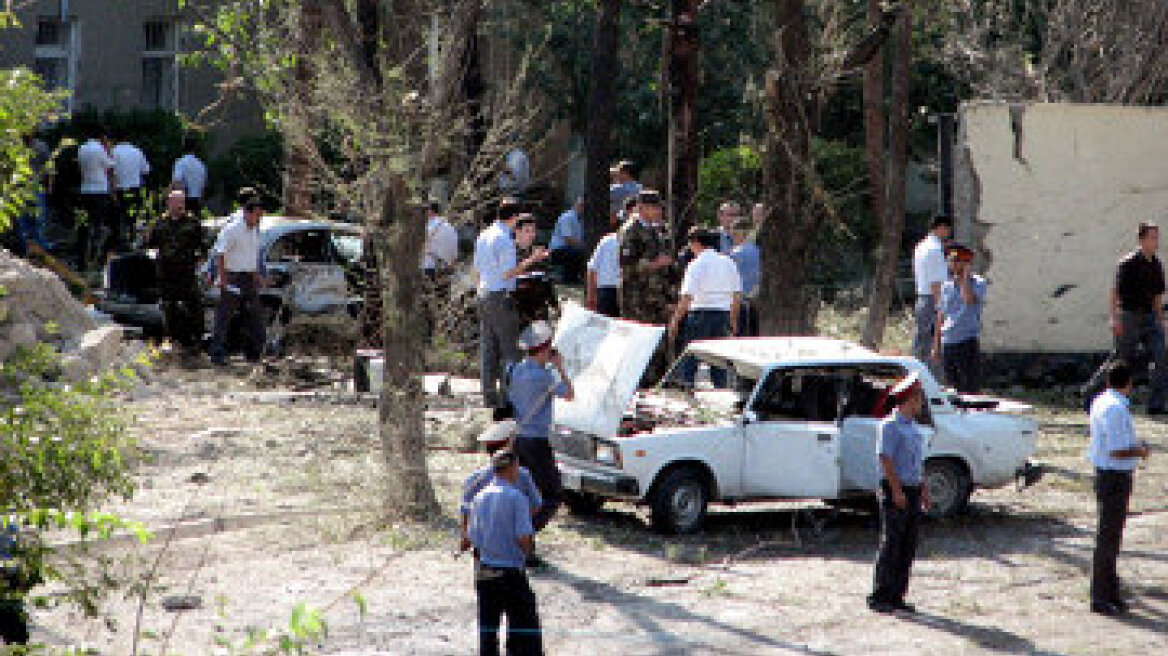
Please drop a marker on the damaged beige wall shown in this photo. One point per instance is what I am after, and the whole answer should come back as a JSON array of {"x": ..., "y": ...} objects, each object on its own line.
[{"x": 1050, "y": 194}]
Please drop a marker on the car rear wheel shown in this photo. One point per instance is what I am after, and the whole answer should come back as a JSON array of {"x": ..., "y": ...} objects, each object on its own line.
[
  {"x": 949, "y": 487},
  {"x": 679, "y": 503}
]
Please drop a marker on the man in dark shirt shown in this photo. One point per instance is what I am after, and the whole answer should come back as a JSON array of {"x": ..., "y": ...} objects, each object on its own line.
[{"x": 1137, "y": 318}]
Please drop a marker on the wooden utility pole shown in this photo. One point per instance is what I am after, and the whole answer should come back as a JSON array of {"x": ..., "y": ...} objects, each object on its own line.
[
  {"x": 684, "y": 154},
  {"x": 893, "y": 191},
  {"x": 598, "y": 133}
]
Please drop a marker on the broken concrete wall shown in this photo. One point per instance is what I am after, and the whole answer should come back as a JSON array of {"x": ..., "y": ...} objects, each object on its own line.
[{"x": 1050, "y": 195}]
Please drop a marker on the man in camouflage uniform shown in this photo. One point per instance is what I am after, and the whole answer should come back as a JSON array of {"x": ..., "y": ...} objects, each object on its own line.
[
  {"x": 648, "y": 274},
  {"x": 178, "y": 236}
]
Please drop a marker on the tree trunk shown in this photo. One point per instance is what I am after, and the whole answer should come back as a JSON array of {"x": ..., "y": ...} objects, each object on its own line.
[
  {"x": 684, "y": 154},
  {"x": 875, "y": 154},
  {"x": 401, "y": 424},
  {"x": 598, "y": 134},
  {"x": 892, "y": 218},
  {"x": 298, "y": 168},
  {"x": 787, "y": 232}
]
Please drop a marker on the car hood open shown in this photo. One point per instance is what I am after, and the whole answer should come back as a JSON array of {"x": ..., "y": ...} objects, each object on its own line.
[{"x": 605, "y": 359}]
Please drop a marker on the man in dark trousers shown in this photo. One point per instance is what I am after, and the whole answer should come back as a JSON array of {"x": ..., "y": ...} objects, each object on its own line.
[
  {"x": 500, "y": 530},
  {"x": 1114, "y": 453},
  {"x": 707, "y": 307},
  {"x": 237, "y": 265},
  {"x": 178, "y": 236},
  {"x": 532, "y": 390},
  {"x": 957, "y": 330},
  {"x": 648, "y": 274},
  {"x": 903, "y": 497},
  {"x": 1137, "y": 318}
]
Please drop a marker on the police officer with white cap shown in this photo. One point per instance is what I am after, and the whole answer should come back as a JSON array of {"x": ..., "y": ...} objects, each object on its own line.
[
  {"x": 903, "y": 497},
  {"x": 532, "y": 387},
  {"x": 501, "y": 531},
  {"x": 480, "y": 478}
]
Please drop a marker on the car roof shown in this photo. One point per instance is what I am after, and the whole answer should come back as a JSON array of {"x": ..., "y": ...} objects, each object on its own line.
[{"x": 759, "y": 354}]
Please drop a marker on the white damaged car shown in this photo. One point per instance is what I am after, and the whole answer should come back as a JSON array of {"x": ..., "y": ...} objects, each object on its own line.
[{"x": 799, "y": 421}]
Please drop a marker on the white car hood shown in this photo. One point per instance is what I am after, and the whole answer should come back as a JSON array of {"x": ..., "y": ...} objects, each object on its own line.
[{"x": 605, "y": 359}]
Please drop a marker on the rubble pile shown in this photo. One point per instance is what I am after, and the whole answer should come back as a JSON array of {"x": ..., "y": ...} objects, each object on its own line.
[{"x": 35, "y": 307}]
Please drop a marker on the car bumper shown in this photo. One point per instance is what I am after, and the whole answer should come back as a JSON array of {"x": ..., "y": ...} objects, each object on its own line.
[{"x": 590, "y": 477}]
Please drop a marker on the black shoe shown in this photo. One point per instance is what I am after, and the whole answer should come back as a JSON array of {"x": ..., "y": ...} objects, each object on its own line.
[
  {"x": 879, "y": 606},
  {"x": 1157, "y": 412},
  {"x": 535, "y": 562},
  {"x": 1121, "y": 605},
  {"x": 1111, "y": 609},
  {"x": 904, "y": 607},
  {"x": 219, "y": 361}
]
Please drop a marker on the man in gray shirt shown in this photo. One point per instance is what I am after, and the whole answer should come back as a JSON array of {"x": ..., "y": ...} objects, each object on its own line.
[{"x": 903, "y": 497}]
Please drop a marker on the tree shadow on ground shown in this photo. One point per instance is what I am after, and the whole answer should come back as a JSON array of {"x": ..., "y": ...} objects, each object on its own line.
[{"x": 987, "y": 638}]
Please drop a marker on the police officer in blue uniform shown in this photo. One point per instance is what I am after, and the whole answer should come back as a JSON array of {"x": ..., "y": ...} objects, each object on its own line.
[
  {"x": 903, "y": 497},
  {"x": 501, "y": 532}
]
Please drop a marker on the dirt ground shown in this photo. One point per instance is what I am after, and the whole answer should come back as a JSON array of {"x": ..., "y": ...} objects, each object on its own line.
[{"x": 273, "y": 497}]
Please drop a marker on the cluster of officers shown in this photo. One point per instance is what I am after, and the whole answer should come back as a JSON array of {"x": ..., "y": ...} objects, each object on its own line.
[{"x": 704, "y": 290}]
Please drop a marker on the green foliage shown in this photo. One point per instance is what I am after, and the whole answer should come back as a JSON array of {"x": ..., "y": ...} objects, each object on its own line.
[
  {"x": 850, "y": 232},
  {"x": 728, "y": 174},
  {"x": 252, "y": 161},
  {"x": 23, "y": 105}
]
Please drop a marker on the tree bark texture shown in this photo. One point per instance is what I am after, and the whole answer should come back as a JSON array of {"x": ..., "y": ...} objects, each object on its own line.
[
  {"x": 892, "y": 219},
  {"x": 402, "y": 427},
  {"x": 787, "y": 234},
  {"x": 684, "y": 152},
  {"x": 598, "y": 133},
  {"x": 876, "y": 156},
  {"x": 298, "y": 168}
]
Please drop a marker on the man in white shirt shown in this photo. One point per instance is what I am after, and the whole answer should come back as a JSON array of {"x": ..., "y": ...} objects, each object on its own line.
[
  {"x": 96, "y": 166},
  {"x": 1114, "y": 453},
  {"x": 567, "y": 243},
  {"x": 130, "y": 165},
  {"x": 236, "y": 254},
  {"x": 930, "y": 272},
  {"x": 495, "y": 262},
  {"x": 190, "y": 175},
  {"x": 603, "y": 288},
  {"x": 711, "y": 292},
  {"x": 441, "y": 250}
]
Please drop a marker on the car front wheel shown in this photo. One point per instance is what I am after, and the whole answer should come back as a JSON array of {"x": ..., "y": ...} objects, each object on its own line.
[
  {"x": 679, "y": 503},
  {"x": 949, "y": 487}
]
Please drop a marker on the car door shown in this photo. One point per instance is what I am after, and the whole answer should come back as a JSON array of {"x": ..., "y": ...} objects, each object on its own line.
[{"x": 790, "y": 436}]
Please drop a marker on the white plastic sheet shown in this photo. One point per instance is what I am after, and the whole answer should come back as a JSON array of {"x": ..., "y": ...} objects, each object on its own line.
[{"x": 605, "y": 359}]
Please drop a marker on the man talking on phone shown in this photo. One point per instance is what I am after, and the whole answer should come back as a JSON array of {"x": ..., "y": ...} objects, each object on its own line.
[{"x": 532, "y": 388}]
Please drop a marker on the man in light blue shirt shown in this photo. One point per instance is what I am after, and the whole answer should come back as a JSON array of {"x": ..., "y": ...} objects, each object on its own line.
[
  {"x": 903, "y": 497},
  {"x": 745, "y": 254},
  {"x": 623, "y": 185},
  {"x": 567, "y": 243},
  {"x": 958, "y": 326},
  {"x": 1115, "y": 453},
  {"x": 532, "y": 389},
  {"x": 501, "y": 531},
  {"x": 494, "y": 260}
]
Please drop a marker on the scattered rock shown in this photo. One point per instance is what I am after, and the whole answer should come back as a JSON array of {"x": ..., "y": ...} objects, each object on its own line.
[
  {"x": 199, "y": 478},
  {"x": 179, "y": 603}
]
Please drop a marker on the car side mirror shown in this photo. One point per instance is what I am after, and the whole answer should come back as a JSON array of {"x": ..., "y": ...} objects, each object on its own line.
[{"x": 748, "y": 417}]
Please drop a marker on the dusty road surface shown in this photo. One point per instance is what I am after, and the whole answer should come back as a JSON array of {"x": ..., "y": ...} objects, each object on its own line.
[{"x": 273, "y": 498}]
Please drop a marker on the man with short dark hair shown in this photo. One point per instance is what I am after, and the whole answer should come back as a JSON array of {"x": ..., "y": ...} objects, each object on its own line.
[
  {"x": 956, "y": 344},
  {"x": 495, "y": 262},
  {"x": 1114, "y": 453},
  {"x": 501, "y": 531},
  {"x": 623, "y": 185},
  {"x": 238, "y": 277},
  {"x": 711, "y": 292},
  {"x": 1137, "y": 318},
  {"x": 97, "y": 170},
  {"x": 903, "y": 497},
  {"x": 602, "y": 290},
  {"x": 930, "y": 273},
  {"x": 130, "y": 168},
  {"x": 567, "y": 243}
]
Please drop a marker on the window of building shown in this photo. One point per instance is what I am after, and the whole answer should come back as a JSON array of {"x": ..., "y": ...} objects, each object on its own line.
[
  {"x": 56, "y": 54},
  {"x": 160, "y": 64}
]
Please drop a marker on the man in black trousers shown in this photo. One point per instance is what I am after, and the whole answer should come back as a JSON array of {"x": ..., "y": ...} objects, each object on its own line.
[
  {"x": 903, "y": 497},
  {"x": 1115, "y": 454}
]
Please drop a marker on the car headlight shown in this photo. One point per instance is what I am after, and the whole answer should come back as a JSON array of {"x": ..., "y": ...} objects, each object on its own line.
[{"x": 608, "y": 454}]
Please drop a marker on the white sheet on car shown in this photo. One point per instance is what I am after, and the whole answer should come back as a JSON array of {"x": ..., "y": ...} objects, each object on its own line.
[{"x": 605, "y": 359}]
